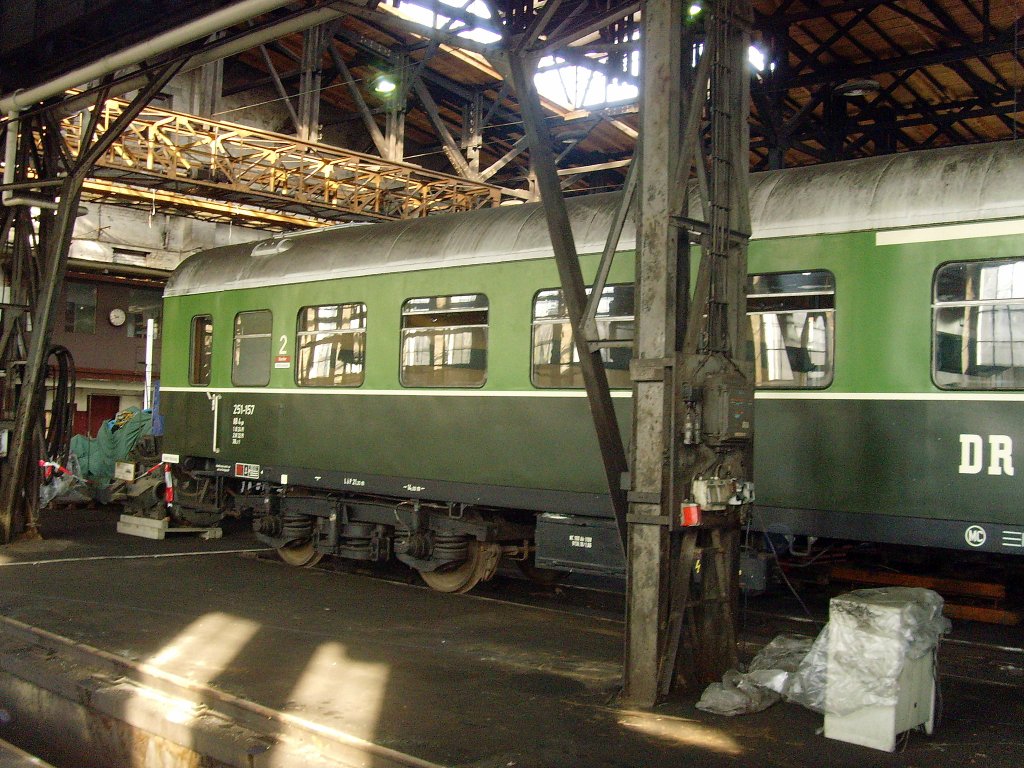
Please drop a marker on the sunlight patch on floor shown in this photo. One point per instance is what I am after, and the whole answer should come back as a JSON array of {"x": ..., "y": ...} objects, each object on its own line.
[
  {"x": 680, "y": 731},
  {"x": 204, "y": 649},
  {"x": 335, "y": 685}
]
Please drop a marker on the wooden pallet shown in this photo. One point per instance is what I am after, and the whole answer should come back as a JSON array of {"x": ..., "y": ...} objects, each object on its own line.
[
  {"x": 149, "y": 528},
  {"x": 976, "y": 590}
]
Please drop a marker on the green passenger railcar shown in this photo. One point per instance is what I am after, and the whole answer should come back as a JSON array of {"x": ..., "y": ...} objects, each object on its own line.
[{"x": 409, "y": 389}]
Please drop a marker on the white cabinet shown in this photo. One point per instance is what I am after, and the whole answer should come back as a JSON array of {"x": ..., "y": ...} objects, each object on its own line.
[{"x": 867, "y": 653}]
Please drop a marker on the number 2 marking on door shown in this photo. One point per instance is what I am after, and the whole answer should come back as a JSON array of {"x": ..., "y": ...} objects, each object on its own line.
[{"x": 284, "y": 345}]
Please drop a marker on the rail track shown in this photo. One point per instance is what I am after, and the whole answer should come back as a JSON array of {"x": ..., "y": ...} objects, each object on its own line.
[
  {"x": 182, "y": 719},
  {"x": 984, "y": 654}
]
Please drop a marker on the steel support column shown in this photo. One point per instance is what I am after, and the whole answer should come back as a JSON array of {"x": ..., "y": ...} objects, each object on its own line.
[
  {"x": 519, "y": 71},
  {"x": 394, "y": 125},
  {"x": 314, "y": 40},
  {"x": 658, "y": 263},
  {"x": 207, "y": 86},
  {"x": 15, "y": 490},
  {"x": 693, "y": 387},
  {"x": 473, "y": 131}
]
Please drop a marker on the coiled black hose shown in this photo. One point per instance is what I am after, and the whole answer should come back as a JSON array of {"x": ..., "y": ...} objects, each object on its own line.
[{"x": 62, "y": 411}]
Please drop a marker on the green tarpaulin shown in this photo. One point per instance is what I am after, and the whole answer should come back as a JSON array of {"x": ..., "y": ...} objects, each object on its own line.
[{"x": 113, "y": 442}]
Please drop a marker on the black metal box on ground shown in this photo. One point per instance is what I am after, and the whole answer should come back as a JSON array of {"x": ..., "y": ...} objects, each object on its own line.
[{"x": 576, "y": 543}]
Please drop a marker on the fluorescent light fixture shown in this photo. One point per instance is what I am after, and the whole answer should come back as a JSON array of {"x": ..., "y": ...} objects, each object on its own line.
[{"x": 384, "y": 85}]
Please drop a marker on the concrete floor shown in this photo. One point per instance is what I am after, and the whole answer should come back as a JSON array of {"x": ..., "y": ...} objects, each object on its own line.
[{"x": 458, "y": 680}]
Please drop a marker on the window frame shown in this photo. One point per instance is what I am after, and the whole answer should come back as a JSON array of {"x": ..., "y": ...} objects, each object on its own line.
[
  {"x": 192, "y": 351},
  {"x": 69, "y": 284},
  {"x": 485, "y": 326},
  {"x": 534, "y": 322},
  {"x": 833, "y": 310},
  {"x": 935, "y": 306},
  {"x": 299, "y": 334},
  {"x": 235, "y": 337},
  {"x": 135, "y": 327}
]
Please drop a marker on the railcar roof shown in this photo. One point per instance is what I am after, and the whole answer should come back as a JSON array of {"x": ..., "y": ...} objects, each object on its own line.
[{"x": 949, "y": 186}]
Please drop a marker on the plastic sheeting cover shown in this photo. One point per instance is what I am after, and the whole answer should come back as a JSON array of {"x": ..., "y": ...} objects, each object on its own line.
[
  {"x": 854, "y": 662},
  {"x": 763, "y": 684},
  {"x": 857, "y": 659}
]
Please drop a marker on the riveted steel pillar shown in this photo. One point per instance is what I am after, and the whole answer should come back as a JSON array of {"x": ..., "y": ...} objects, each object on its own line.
[
  {"x": 520, "y": 70},
  {"x": 658, "y": 264},
  {"x": 693, "y": 387},
  {"x": 16, "y": 491},
  {"x": 314, "y": 42},
  {"x": 396, "y": 102}
]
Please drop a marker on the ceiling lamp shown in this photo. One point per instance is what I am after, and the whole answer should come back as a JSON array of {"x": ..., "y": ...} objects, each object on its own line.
[
  {"x": 858, "y": 87},
  {"x": 383, "y": 84}
]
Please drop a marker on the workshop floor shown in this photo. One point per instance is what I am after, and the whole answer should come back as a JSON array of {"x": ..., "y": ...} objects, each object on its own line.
[{"x": 458, "y": 680}]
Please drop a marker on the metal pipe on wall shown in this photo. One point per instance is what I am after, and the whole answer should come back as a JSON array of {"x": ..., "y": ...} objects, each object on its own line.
[{"x": 147, "y": 392}]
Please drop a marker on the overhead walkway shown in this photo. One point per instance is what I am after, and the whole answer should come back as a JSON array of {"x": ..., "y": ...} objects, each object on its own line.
[{"x": 170, "y": 162}]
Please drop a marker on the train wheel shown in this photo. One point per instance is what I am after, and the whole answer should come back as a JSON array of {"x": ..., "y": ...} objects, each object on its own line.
[
  {"x": 300, "y": 554},
  {"x": 481, "y": 565}
]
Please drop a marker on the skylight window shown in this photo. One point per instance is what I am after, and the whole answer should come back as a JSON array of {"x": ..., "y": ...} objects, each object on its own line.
[
  {"x": 431, "y": 15},
  {"x": 570, "y": 85},
  {"x": 576, "y": 86}
]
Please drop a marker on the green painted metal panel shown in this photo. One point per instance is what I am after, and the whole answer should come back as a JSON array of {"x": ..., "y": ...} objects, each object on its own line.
[{"x": 869, "y": 456}]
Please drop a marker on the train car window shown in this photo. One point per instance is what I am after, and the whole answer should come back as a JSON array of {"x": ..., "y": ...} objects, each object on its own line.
[
  {"x": 792, "y": 321},
  {"x": 978, "y": 325},
  {"x": 201, "y": 351},
  {"x": 444, "y": 341},
  {"x": 555, "y": 362},
  {"x": 250, "y": 359},
  {"x": 331, "y": 344}
]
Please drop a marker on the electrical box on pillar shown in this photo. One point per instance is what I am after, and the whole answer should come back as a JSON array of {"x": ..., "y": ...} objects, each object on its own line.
[{"x": 728, "y": 409}]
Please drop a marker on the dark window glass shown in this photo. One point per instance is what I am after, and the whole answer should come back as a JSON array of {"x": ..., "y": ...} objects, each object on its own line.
[
  {"x": 331, "y": 343},
  {"x": 79, "y": 308},
  {"x": 978, "y": 325},
  {"x": 792, "y": 321},
  {"x": 555, "y": 362},
  {"x": 143, "y": 306},
  {"x": 201, "y": 351},
  {"x": 444, "y": 341},
  {"x": 250, "y": 360}
]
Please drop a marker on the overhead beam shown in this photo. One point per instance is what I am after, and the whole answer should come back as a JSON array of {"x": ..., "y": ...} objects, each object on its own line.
[
  {"x": 1007, "y": 42},
  {"x": 357, "y": 97},
  {"x": 281, "y": 91},
  {"x": 595, "y": 379},
  {"x": 450, "y": 146},
  {"x": 592, "y": 24}
]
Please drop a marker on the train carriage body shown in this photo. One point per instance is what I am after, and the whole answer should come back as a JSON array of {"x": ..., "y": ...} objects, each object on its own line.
[{"x": 427, "y": 361}]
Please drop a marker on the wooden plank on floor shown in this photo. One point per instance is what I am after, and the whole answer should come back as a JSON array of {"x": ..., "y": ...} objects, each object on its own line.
[
  {"x": 978, "y": 613},
  {"x": 981, "y": 589},
  {"x": 148, "y": 528}
]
